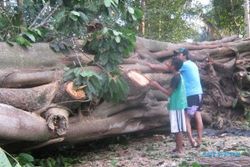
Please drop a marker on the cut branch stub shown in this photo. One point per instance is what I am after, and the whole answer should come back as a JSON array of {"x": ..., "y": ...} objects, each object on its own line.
[
  {"x": 138, "y": 78},
  {"x": 75, "y": 93},
  {"x": 57, "y": 120}
]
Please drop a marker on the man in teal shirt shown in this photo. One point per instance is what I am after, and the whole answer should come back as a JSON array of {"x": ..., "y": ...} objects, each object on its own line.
[
  {"x": 177, "y": 103},
  {"x": 190, "y": 73}
]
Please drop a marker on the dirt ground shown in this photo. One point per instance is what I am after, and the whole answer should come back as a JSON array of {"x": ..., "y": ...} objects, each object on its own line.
[{"x": 219, "y": 148}]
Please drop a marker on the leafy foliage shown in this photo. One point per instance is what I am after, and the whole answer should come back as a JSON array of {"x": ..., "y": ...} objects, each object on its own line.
[
  {"x": 111, "y": 46},
  {"x": 115, "y": 87},
  {"x": 23, "y": 159},
  {"x": 4, "y": 161},
  {"x": 27, "y": 160},
  {"x": 225, "y": 18},
  {"x": 229, "y": 16},
  {"x": 111, "y": 87},
  {"x": 167, "y": 20}
]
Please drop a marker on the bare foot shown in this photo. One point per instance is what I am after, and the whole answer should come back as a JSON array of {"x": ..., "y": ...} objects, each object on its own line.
[
  {"x": 199, "y": 141},
  {"x": 178, "y": 154}
]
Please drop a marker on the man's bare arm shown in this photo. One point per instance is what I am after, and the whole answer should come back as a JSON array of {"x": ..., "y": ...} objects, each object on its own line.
[
  {"x": 159, "y": 67},
  {"x": 156, "y": 85}
]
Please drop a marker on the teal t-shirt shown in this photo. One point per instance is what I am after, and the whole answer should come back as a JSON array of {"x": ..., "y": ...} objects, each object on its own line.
[
  {"x": 190, "y": 73},
  {"x": 178, "y": 99}
]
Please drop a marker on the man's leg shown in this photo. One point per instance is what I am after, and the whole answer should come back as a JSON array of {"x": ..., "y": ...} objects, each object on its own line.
[
  {"x": 189, "y": 129},
  {"x": 179, "y": 142},
  {"x": 199, "y": 126}
]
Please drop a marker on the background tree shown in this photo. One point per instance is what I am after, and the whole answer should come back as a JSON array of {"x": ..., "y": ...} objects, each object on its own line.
[
  {"x": 247, "y": 16},
  {"x": 167, "y": 20},
  {"x": 225, "y": 18}
]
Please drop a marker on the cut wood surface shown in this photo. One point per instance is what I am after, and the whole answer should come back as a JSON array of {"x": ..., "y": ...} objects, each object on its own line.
[
  {"x": 74, "y": 92},
  {"x": 138, "y": 78}
]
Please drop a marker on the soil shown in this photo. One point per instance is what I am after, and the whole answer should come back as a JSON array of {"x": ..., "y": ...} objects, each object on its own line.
[{"x": 219, "y": 148}]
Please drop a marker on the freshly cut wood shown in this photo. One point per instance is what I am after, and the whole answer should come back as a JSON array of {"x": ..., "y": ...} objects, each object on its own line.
[
  {"x": 75, "y": 93},
  {"x": 138, "y": 78}
]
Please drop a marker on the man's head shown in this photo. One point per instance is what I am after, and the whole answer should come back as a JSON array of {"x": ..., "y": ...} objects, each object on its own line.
[
  {"x": 176, "y": 64},
  {"x": 182, "y": 53}
]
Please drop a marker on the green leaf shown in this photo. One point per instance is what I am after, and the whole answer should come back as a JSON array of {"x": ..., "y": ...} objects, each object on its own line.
[
  {"x": 134, "y": 17},
  {"x": 38, "y": 32},
  {"x": 75, "y": 13},
  {"x": 73, "y": 17},
  {"x": 84, "y": 17},
  {"x": 131, "y": 10},
  {"x": 104, "y": 59},
  {"x": 18, "y": 165},
  {"x": 24, "y": 157},
  {"x": 22, "y": 41},
  {"x": 117, "y": 39},
  {"x": 4, "y": 161},
  {"x": 96, "y": 82},
  {"x": 196, "y": 164},
  {"x": 91, "y": 88},
  {"x": 59, "y": 16},
  {"x": 105, "y": 30},
  {"x": 77, "y": 71},
  {"x": 87, "y": 73},
  {"x": 69, "y": 75},
  {"x": 30, "y": 36},
  {"x": 107, "y": 3},
  {"x": 116, "y": 33}
]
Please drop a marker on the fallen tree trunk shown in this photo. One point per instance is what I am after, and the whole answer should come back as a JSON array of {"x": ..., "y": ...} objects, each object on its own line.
[
  {"x": 35, "y": 92},
  {"x": 28, "y": 78},
  {"x": 17, "y": 125}
]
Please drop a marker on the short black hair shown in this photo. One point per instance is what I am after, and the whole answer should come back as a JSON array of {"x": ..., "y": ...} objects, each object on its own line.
[
  {"x": 177, "y": 63},
  {"x": 184, "y": 51}
]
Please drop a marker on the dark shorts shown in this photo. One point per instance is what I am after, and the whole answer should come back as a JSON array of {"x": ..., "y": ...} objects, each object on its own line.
[{"x": 194, "y": 103}]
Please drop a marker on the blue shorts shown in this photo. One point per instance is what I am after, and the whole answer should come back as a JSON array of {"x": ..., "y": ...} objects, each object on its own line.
[{"x": 194, "y": 103}]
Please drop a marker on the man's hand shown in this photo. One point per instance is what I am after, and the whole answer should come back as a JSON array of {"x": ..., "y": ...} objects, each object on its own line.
[
  {"x": 168, "y": 64},
  {"x": 159, "y": 87},
  {"x": 209, "y": 60}
]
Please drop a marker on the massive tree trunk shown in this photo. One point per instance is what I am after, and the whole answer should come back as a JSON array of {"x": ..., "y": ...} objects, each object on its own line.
[{"x": 35, "y": 106}]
